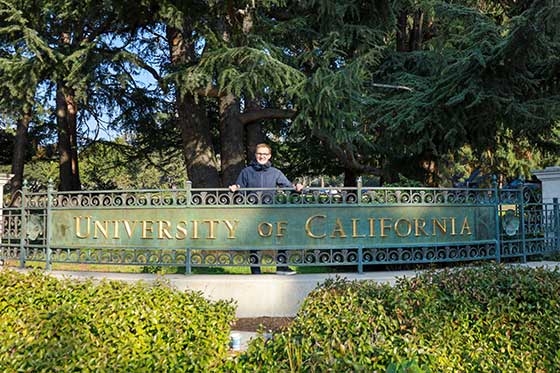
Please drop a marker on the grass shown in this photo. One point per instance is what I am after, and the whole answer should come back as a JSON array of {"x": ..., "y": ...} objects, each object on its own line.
[{"x": 166, "y": 270}]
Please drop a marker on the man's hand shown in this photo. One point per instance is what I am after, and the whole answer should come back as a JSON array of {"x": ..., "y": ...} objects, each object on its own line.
[
  {"x": 234, "y": 187},
  {"x": 298, "y": 187}
]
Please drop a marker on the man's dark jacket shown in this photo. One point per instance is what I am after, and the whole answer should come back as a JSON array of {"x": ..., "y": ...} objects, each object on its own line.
[{"x": 262, "y": 176}]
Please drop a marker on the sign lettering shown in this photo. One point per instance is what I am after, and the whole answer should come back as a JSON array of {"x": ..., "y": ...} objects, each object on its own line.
[{"x": 270, "y": 227}]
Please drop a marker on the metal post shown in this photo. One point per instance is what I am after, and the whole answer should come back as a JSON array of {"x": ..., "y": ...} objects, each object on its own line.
[
  {"x": 23, "y": 227},
  {"x": 360, "y": 260},
  {"x": 188, "y": 254},
  {"x": 50, "y": 189},
  {"x": 4, "y": 179},
  {"x": 522, "y": 222},
  {"x": 497, "y": 211},
  {"x": 556, "y": 223},
  {"x": 188, "y": 188},
  {"x": 188, "y": 269},
  {"x": 359, "y": 190}
]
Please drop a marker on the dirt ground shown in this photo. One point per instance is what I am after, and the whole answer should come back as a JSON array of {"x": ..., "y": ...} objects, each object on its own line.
[{"x": 252, "y": 324}]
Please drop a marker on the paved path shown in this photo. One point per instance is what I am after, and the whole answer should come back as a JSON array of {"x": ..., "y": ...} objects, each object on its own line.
[{"x": 257, "y": 295}]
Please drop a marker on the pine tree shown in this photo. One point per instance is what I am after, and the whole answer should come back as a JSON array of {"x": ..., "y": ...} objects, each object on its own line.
[{"x": 485, "y": 73}]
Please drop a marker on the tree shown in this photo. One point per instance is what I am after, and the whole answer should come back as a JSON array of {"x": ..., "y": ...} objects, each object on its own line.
[
  {"x": 338, "y": 45},
  {"x": 69, "y": 45},
  {"x": 115, "y": 165},
  {"x": 192, "y": 119},
  {"x": 338, "y": 86},
  {"x": 22, "y": 65},
  {"x": 233, "y": 72},
  {"x": 482, "y": 76}
]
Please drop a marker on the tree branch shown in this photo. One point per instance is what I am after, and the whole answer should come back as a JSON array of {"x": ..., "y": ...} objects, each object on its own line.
[
  {"x": 402, "y": 87},
  {"x": 347, "y": 157},
  {"x": 209, "y": 91},
  {"x": 264, "y": 114}
]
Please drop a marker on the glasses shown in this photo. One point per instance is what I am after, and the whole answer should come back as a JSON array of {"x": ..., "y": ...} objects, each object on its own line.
[{"x": 262, "y": 154}]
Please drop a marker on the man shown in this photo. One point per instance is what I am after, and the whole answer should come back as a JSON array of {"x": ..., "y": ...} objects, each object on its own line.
[{"x": 260, "y": 174}]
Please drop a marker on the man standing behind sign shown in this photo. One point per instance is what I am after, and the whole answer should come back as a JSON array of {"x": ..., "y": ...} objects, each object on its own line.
[{"x": 260, "y": 174}]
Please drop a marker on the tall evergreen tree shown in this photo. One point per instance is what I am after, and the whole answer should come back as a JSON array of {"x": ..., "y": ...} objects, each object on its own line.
[
  {"x": 71, "y": 43},
  {"x": 22, "y": 59},
  {"x": 378, "y": 88},
  {"x": 236, "y": 70},
  {"x": 487, "y": 72},
  {"x": 338, "y": 45}
]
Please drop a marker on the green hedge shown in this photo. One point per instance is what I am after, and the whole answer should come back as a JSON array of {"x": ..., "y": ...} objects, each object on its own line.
[
  {"x": 490, "y": 319},
  {"x": 61, "y": 325}
]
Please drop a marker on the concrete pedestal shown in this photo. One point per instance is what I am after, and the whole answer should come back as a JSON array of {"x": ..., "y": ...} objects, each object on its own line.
[{"x": 550, "y": 179}]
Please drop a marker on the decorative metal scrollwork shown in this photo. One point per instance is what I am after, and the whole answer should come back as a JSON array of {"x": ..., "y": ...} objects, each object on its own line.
[
  {"x": 34, "y": 227},
  {"x": 510, "y": 223}
]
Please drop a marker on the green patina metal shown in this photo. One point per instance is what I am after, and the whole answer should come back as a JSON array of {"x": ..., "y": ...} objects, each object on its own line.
[
  {"x": 272, "y": 227},
  {"x": 335, "y": 226}
]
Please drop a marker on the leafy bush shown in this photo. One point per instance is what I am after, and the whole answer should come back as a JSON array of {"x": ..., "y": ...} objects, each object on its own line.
[
  {"x": 495, "y": 318},
  {"x": 61, "y": 325}
]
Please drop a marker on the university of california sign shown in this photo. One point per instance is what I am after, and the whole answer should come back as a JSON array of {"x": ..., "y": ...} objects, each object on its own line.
[{"x": 247, "y": 227}]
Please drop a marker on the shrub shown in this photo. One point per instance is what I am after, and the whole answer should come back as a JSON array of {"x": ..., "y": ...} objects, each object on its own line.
[
  {"x": 494, "y": 318},
  {"x": 61, "y": 325}
]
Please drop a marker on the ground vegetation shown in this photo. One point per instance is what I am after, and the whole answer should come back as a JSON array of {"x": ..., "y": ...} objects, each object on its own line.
[{"x": 484, "y": 318}]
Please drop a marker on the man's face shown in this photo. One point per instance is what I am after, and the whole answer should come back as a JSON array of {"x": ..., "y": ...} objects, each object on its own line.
[{"x": 262, "y": 155}]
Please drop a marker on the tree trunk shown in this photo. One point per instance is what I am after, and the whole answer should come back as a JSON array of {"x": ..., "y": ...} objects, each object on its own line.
[
  {"x": 202, "y": 166},
  {"x": 237, "y": 139},
  {"x": 231, "y": 138},
  {"x": 429, "y": 164},
  {"x": 200, "y": 159},
  {"x": 417, "y": 31},
  {"x": 350, "y": 178},
  {"x": 18, "y": 158},
  {"x": 66, "y": 111},
  {"x": 402, "y": 32},
  {"x": 254, "y": 133}
]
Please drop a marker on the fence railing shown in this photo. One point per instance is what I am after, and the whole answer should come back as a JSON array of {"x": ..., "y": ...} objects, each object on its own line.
[{"x": 197, "y": 227}]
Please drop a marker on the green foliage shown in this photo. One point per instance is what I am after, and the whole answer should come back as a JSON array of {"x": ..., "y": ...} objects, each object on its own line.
[
  {"x": 339, "y": 45},
  {"x": 484, "y": 77},
  {"x": 117, "y": 165},
  {"x": 245, "y": 71},
  {"x": 475, "y": 86},
  {"x": 489, "y": 318},
  {"x": 494, "y": 318},
  {"x": 63, "y": 325},
  {"x": 404, "y": 182}
]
